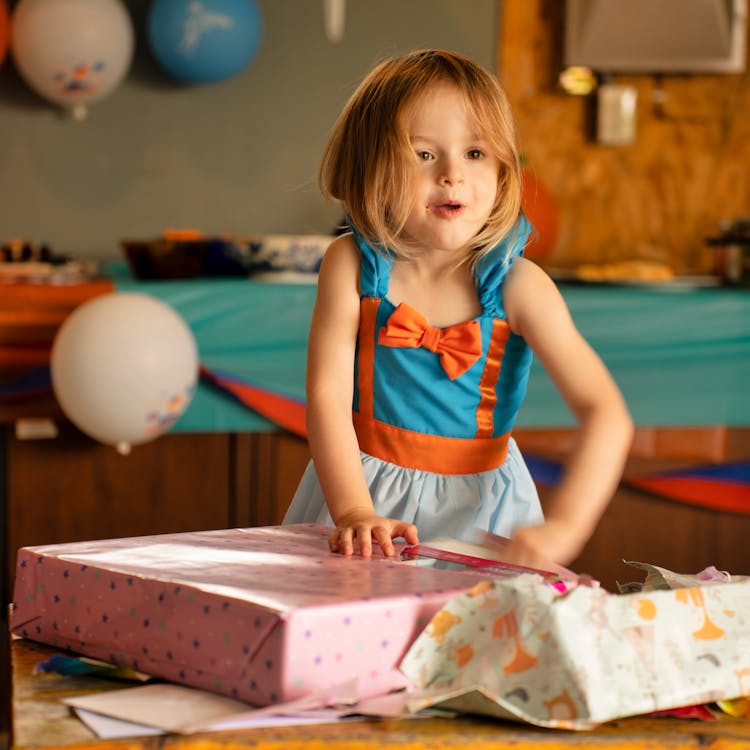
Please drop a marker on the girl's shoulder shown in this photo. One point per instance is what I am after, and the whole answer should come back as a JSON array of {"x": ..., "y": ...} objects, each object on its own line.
[
  {"x": 343, "y": 249},
  {"x": 531, "y": 297},
  {"x": 341, "y": 259},
  {"x": 349, "y": 256},
  {"x": 339, "y": 269}
]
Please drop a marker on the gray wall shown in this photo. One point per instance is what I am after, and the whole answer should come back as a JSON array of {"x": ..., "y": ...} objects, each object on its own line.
[{"x": 237, "y": 156}]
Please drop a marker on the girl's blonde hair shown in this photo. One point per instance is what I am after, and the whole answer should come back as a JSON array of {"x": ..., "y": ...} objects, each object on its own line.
[{"x": 368, "y": 162}]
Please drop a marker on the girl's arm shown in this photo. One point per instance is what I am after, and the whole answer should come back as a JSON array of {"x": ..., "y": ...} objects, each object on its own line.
[
  {"x": 537, "y": 311},
  {"x": 333, "y": 443}
]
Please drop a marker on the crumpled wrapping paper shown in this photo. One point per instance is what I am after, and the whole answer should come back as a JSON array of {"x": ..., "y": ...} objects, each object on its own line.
[
  {"x": 520, "y": 650},
  {"x": 658, "y": 579}
]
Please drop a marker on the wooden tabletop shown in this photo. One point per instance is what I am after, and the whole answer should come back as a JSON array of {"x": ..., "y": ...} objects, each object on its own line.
[{"x": 41, "y": 721}]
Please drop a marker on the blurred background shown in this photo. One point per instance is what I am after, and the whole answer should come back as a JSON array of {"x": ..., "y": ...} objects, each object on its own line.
[{"x": 237, "y": 155}]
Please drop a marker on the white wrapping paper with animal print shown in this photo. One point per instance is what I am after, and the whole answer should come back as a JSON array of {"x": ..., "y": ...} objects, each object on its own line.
[{"x": 517, "y": 649}]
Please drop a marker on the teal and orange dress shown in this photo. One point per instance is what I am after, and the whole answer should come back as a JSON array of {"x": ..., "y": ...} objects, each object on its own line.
[{"x": 434, "y": 407}]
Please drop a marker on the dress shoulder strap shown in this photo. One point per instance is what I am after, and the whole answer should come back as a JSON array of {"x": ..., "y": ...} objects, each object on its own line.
[
  {"x": 375, "y": 267},
  {"x": 493, "y": 266}
]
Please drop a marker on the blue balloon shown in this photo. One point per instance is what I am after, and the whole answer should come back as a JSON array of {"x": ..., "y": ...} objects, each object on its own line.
[{"x": 204, "y": 41}]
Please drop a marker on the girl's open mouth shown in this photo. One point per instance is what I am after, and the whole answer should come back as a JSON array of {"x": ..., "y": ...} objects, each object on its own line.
[{"x": 449, "y": 208}]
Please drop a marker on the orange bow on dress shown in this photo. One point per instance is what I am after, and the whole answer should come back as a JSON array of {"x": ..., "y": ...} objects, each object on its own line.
[{"x": 459, "y": 346}]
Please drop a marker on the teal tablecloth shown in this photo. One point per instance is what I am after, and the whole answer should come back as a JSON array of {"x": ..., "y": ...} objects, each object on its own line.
[{"x": 680, "y": 357}]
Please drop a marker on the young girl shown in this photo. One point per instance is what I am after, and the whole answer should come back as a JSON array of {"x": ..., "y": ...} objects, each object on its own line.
[{"x": 429, "y": 302}]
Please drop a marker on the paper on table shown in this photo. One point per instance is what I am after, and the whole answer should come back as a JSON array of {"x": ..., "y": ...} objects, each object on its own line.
[
  {"x": 109, "y": 728},
  {"x": 389, "y": 706},
  {"x": 183, "y": 710},
  {"x": 150, "y": 710},
  {"x": 317, "y": 705},
  {"x": 168, "y": 707},
  {"x": 250, "y": 721}
]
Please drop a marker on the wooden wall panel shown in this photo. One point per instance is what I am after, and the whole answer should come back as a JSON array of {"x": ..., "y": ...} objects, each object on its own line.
[
  {"x": 656, "y": 199},
  {"x": 279, "y": 460},
  {"x": 72, "y": 489}
]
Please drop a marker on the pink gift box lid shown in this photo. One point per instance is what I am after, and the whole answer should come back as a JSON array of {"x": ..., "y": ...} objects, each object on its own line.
[{"x": 261, "y": 614}]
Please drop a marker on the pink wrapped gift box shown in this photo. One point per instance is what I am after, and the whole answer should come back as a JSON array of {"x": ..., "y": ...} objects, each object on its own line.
[{"x": 264, "y": 615}]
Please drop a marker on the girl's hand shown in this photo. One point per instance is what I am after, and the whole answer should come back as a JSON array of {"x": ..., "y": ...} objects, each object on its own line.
[
  {"x": 553, "y": 541},
  {"x": 364, "y": 526}
]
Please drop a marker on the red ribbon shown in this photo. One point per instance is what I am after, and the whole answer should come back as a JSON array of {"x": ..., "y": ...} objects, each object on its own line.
[{"x": 459, "y": 346}]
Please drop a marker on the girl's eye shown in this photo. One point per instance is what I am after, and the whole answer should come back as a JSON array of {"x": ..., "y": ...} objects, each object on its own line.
[
  {"x": 425, "y": 156},
  {"x": 475, "y": 153}
]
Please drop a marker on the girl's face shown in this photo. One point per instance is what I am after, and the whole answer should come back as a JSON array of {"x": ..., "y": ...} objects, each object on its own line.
[{"x": 455, "y": 184}]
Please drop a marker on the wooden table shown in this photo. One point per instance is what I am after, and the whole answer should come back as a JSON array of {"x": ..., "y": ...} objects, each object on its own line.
[{"x": 41, "y": 721}]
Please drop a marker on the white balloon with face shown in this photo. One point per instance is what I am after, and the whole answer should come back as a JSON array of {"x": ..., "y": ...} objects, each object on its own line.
[
  {"x": 72, "y": 52},
  {"x": 124, "y": 368}
]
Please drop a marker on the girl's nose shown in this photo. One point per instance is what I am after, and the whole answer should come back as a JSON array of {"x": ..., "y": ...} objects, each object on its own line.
[{"x": 452, "y": 174}]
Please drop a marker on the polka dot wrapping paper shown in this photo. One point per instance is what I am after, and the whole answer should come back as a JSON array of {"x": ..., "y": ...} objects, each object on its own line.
[{"x": 263, "y": 615}]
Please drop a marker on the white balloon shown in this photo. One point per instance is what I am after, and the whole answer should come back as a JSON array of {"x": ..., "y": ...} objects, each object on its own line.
[
  {"x": 124, "y": 368},
  {"x": 72, "y": 52}
]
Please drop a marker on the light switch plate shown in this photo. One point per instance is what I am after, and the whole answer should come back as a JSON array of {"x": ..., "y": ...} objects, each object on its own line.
[{"x": 616, "y": 114}]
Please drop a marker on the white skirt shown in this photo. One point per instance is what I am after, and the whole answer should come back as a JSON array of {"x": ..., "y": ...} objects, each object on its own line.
[{"x": 440, "y": 505}]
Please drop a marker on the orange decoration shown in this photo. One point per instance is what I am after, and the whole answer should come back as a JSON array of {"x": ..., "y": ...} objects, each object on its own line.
[
  {"x": 463, "y": 655},
  {"x": 521, "y": 661},
  {"x": 441, "y": 623},
  {"x": 562, "y": 707},
  {"x": 646, "y": 609},
  {"x": 459, "y": 345},
  {"x": 505, "y": 626},
  {"x": 4, "y": 29},
  {"x": 182, "y": 235},
  {"x": 540, "y": 208}
]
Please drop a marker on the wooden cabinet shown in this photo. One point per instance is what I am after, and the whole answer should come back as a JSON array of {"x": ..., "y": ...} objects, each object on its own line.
[
  {"x": 279, "y": 460},
  {"x": 71, "y": 488},
  {"x": 641, "y": 527}
]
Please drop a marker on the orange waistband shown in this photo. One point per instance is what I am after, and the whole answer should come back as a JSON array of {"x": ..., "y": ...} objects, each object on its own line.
[{"x": 433, "y": 453}]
